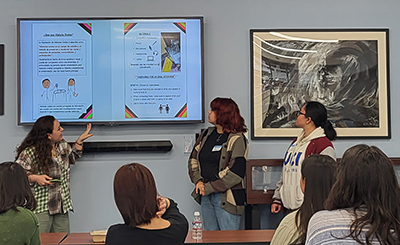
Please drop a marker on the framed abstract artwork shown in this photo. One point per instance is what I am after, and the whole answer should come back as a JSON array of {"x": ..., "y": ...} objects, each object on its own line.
[{"x": 347, "y": 70}]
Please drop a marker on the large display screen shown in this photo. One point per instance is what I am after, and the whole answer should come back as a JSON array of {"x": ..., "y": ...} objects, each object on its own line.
[{"x": 111, "y": 70}]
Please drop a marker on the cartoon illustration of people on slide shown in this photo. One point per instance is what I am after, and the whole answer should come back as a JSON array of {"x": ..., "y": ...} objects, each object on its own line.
[
  {"x": 67, "y": 94},
  {"x": 46, "y": 86},
  {"x": 71, "y": 92},
  {"x": 57, "y": 91},
  {"x": 162, "y": 107}
]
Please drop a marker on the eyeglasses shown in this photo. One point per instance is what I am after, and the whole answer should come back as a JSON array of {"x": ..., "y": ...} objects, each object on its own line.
[{"x": 298, "y": 113}]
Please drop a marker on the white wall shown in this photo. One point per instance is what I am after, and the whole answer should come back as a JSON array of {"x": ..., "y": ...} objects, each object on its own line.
[{"x": 227, "y": 73}]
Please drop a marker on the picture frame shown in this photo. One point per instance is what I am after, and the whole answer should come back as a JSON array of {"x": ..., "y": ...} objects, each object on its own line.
[{"x": 347, "y": 70}]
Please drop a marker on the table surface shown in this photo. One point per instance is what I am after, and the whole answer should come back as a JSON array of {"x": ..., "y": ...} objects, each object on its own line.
[
  {"x": 79, "y": 238},
  {"x": 51, "y": 238},
  {"x": 235, "y": 237},
  {"x": 209, "y": 237}
]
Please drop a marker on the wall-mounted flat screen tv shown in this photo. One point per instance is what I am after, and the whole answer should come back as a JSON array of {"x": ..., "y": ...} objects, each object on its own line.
[{"x": 111, "y": 70}]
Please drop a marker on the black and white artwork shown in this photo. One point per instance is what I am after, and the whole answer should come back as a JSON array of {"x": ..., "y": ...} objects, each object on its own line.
[{"x": 346, "y": 70}]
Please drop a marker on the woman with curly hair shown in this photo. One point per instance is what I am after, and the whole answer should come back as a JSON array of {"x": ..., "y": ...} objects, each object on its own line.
[
  {"x": 46, "y": 157},
  {"x": 217, "y": 166},
  {"x": 363, "y": 205}
]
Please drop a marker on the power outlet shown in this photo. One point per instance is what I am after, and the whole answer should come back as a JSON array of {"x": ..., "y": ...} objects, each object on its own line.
[{"x": 188, "y": 143}]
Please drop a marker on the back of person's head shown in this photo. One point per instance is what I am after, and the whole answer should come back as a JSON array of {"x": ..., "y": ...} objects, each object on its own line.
[
  {"x": 318, "y": 114},
  {"x": 318, "y": 173},
  {"x": 14, "y": 188},
  {"x": 366, "y": 182},
  {"x": 228, "y": 115},
  {"x": 135, "y": 194}
]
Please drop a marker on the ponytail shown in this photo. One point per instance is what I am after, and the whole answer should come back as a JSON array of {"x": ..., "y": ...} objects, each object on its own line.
[
  {"x": 319, "y": 116},
  {"x": 329, "y": 131}
]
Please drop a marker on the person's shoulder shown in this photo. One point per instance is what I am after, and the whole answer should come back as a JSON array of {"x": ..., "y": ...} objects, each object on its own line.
[
  {"x": 328, "y": 225},
  {"x": 206, "y": 132},
  {"x": 289, "y": 219},
  {"x": 236, "y": 136},
  {"x": 117, "y": 227},
  {"x": 63, "y": 143},
  {"x": 321, "y": 144},
  {"x": 24, "y": 216},
  {"x": 243, "y": 136},
  {"x": 318, "y": 222},
  {"x": 28, "y": 149},
  {"x": 326, "y": 213},
  {"x": 322, "y": 139},
  {"x": 292, "y": 214},
  {"x": 26, "y": 212},
  {"x": 324, "y": 217},
  {"x": 116, "y": 230},
  {"x": 209, "y": 130}
]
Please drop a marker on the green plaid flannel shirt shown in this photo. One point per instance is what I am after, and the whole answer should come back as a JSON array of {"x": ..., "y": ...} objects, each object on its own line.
[{"x": 54, "y": 198}]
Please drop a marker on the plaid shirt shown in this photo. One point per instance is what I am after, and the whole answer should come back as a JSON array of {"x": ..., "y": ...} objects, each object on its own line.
[{"x": 54, "y": 198}]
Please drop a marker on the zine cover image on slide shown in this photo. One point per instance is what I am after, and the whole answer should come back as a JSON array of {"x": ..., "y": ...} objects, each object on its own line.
[{"x": 171, "y": 52}]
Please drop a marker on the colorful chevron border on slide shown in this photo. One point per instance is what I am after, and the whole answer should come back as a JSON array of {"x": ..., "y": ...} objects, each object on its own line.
[
  {"x": 87, "y": 27},
  {"x": 128, "y": 27},
  {"x": 88, "y": 114},
  {"x": 182, "y": 112},
  {"x": 129, "y": 113},
  {"x": 181, "y": 26}
]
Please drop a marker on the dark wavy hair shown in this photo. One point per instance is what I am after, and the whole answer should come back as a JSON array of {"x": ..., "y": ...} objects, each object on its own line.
[
  {"x": 318, "y": 172},
  {"x": 38, "y": 139},
  {"x": 135, "y": 194},
  {"x": 228, "y": 115},
  {"x": 14, "y": 188},
  {"x": 367, "y": 184},
  {"x": 318, "y": 114}
]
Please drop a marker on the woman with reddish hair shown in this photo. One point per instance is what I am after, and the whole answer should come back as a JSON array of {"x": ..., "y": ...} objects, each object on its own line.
[{"x": 217, "y": 166}]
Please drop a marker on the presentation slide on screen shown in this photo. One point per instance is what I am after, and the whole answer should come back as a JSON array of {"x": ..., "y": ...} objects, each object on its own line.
[
  {"x": 155, "y": 72},
  {"x": 111, "y": 70},
  {"x": 62, "y": 78}
]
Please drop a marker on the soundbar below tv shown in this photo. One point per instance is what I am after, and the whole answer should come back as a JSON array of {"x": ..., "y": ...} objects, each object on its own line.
[
  {"x": 155, "y": 146},
  {"x": 111, "y": 70}
]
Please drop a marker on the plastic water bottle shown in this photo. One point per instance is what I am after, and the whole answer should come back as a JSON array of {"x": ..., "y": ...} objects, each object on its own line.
[{"x": 197, "y": 226}]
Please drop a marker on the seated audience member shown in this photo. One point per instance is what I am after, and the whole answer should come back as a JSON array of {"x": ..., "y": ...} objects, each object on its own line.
[
  {"x": 317, "y": 178},
  {"x": 18, "y": 224},
  {"x": 363, "y": 206},
  {"x": 135, "y": 194}
]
